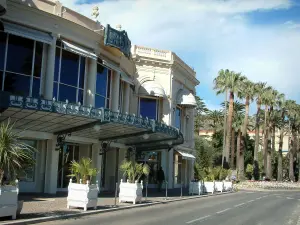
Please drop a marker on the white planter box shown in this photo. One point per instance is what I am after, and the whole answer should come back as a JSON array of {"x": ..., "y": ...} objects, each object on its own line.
[
  {"x": 82, "y": 195},
  {"x": 228, "y": 186},
  {"x": 196, "y": 188},
  {"x": 209, "y": 187},
  {"x": 130, "y": 192},
  {"x": 9, "y": 201},
  {"x": 219, "y": 185}
]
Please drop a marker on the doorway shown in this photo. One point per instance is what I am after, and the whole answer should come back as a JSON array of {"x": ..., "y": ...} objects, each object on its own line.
[{"x": 66, "y": 156}]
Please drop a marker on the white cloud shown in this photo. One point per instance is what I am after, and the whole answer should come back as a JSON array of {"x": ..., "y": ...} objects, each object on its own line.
[{"x": 214, "y": 30}]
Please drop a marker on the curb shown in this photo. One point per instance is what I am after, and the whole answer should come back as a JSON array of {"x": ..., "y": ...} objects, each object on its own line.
[{"x": 98, "y": 211}]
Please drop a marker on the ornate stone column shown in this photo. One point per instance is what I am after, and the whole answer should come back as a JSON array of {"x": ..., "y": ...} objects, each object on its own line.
[{"x": 49, "y": 78}]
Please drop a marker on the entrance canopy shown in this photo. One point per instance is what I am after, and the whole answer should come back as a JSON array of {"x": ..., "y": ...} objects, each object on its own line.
[
  {"x": 186, "y": 99},
  {"x": 61, "y": 118},
  {"x": 186, "y": 155}
]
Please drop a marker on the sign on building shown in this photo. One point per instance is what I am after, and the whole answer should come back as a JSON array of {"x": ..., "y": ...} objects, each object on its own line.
[{"x": 117, "y": 39}]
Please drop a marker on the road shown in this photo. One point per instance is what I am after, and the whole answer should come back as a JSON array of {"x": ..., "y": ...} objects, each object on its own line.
[{"x": 241, "y": 208}]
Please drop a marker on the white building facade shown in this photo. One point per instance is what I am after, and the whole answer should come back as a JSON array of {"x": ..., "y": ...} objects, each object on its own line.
[
  {"x": 69, "y": 86},
  {"x": 168, "y": 84}
]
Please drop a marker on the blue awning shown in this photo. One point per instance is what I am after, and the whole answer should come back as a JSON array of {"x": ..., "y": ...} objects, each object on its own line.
[
  {"x": 126, "y": 78},
  {"x": 79, "y": 50},
  {"x": 27, "y": 32}
]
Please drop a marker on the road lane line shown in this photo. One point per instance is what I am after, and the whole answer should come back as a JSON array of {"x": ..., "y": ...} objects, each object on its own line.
[
  {"x": 251, "y": 201},
  {"x": 258, "y": 198},
  {"x": 201, "y": 218},
  {"x": 289, "y": 198},
  {"x": 223, "y": 210},
  {"x": 240, "y": 204}
]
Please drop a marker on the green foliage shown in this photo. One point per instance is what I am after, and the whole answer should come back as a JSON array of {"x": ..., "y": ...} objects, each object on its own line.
[
  {"x": 134, "y": 171},
  {"x": 216, "y": 173},
  {"x": 249, "y": 171},
  {"x": 83, "y": 170},
  {"x": 14, "y": 155}
]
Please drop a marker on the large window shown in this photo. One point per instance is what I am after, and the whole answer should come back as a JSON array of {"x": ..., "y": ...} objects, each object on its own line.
[
  {"x": 149, "y": 108},
  {"x": 68, "y": 76},
  {"x": 102, "y": 96},
  {"x": 178, "y": 118},
  {"x": 20, "y": 65},
  {"x": 27, "y": 173}
]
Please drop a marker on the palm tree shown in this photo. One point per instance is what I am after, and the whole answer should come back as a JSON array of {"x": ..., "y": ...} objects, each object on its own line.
[
  {"x": 237, "y": 127},
  {"x": 215, "y": 119},
  {"x": 259, "y": 90},
  {"x": 247, "y": 93},
  {"x": 293, "y": 116},
  {"x": 231, "y": 81},
  {"x": 13, "y": 153}
]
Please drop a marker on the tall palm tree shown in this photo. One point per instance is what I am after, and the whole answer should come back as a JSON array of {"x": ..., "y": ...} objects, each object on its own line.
[
  {"x": 231, "y": 81},
  {"x": 267, "y": 99},
  {"x": 259, "y": 91},
  {"x": 293, "y": 117},
  {"x": 238, "y": 108},
  {"x": 247, "y": 93},
  {"x": 238, "y": 126},
  {"x": 215, "y": 118}
]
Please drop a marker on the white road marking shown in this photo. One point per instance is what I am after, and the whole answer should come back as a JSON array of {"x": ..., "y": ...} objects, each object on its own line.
[
  {"x": 289, "y": 198},
  {"x": 223, "y": 210},
  {"x": 251, "y": 201},
  {"x": 201, "y": 218},
  {"x": 258, "y": 198},
  {"x": 240, "y": 204}
]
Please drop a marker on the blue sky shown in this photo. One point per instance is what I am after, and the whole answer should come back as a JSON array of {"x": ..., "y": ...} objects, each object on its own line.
[{"x": 260, "y": 38}]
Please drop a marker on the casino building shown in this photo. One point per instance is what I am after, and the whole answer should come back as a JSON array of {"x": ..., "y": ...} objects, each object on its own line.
[{"x": 74, "y": 88}]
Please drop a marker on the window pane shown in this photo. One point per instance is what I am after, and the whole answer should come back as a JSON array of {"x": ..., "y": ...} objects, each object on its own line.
[
  {"x": 148, "y": 108},
  {"x": 178, "y": 118},
  {"x": 2, "y": 49},
  {"x": 38, "y": 59},
  {"x": 57, "y": 58},
  {"x": 69, "y": 68},
  {"x": 99, "y": 101},
  {"x": 108, "y": 83},
  {"x": 82, "y": 71},
  {"x": 36, "y": 88},
  {"x": 17, "y": 84},
  {"x": 101, "y": 82},
  {"x": 55, "y": 90},
  {"x": 66, "y": 92},
  {"x": 19, "y": 55},
  {"x": 80, "y": 96}
]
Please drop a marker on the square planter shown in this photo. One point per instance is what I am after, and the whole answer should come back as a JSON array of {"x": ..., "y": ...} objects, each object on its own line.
[
  {"x": 196, "y": 188},
  {"x": 209, "y": 187},
  {"x": 9, "y": 201},
  {"x": 228, "y": 186},
  {"x": 82, "y": 195},
  {"x": 219, "y": 185},
  {"x": 131, "y": 192}
]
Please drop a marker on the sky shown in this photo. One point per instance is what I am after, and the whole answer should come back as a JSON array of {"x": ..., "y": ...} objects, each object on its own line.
[{"x": 259, "y": 38}]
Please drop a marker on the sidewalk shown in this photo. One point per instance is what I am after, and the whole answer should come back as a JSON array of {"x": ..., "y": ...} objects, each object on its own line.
[{"x": 37, "y": 206}]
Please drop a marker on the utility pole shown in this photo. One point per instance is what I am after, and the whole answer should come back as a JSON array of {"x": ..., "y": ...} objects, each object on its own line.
[{"x": 224, "y": 135}]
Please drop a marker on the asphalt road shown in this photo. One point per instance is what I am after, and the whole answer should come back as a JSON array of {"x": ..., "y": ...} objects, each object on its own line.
[{"x": 242, "y": 208}]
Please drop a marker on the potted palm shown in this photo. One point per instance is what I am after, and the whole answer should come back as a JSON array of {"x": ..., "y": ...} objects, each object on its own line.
[
  {"x": 13, "y": 156},
  {"x": 82, "y": 193},
  {"x": 132, "y": 189}
]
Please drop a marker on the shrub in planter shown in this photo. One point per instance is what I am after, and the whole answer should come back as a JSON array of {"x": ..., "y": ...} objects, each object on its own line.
[
  {"x": 132, "y": 190},
  {"x": 82, "y": 193},
  {"x": 14, "y": 156}
]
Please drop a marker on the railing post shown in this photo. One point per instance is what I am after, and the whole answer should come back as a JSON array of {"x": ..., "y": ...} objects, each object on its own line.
[
  {"x": 116, "y": 193},
  {"x": 146, "y": 190},
  {"x": 166, "y": 190},
  {"x": 181, "y": 191}
]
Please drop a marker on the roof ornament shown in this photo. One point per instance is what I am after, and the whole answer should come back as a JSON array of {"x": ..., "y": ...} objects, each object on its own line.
[
  {"x": 119, "y": 27},
  {"x": 95, "y": 13}
]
